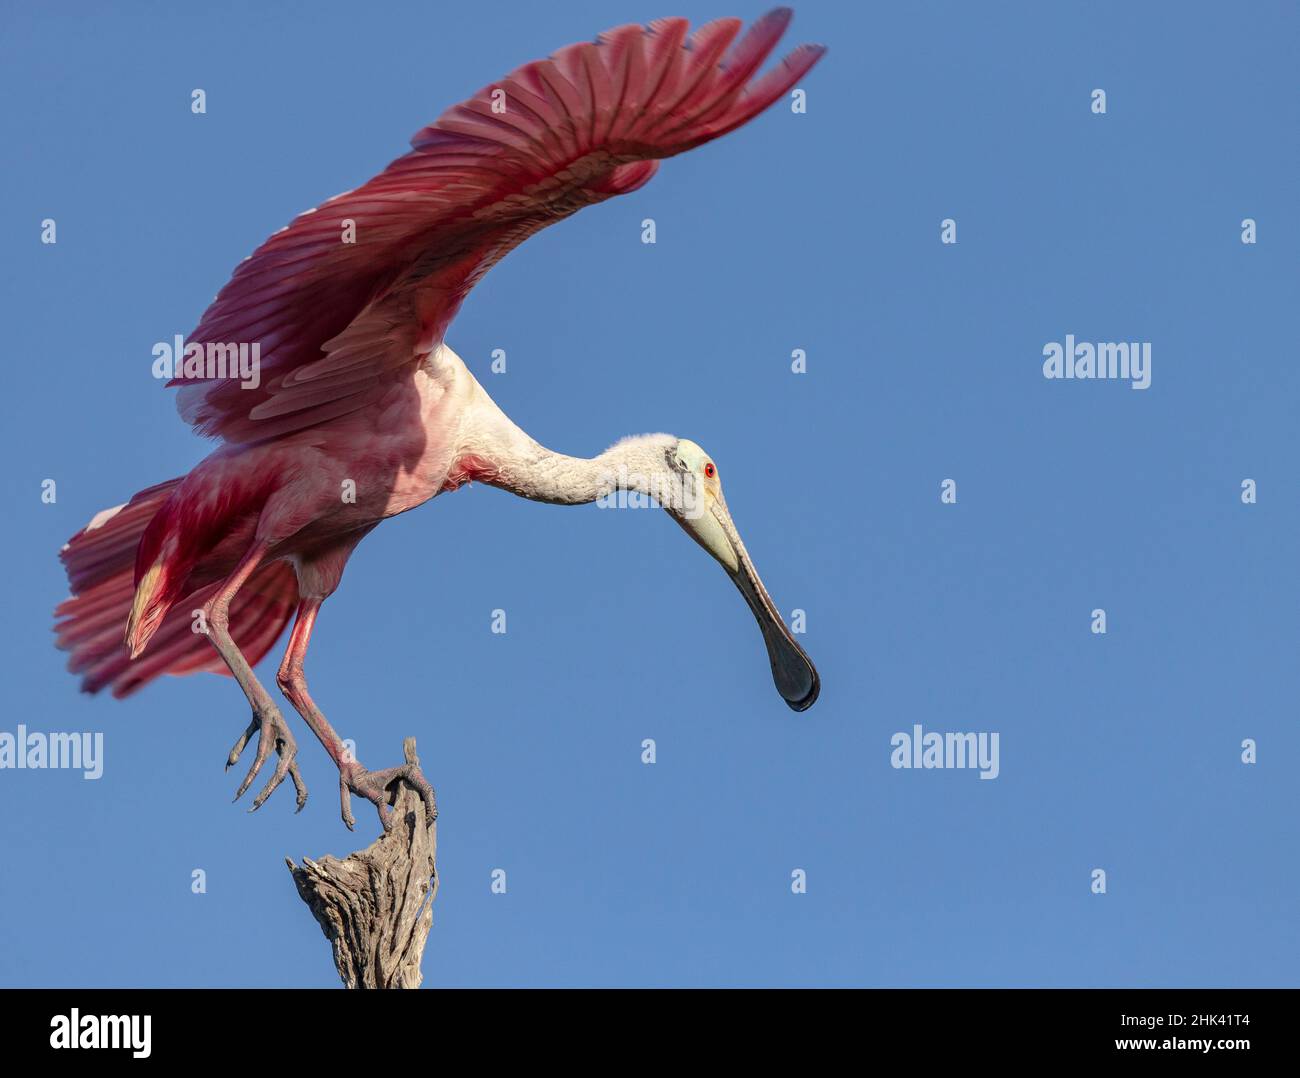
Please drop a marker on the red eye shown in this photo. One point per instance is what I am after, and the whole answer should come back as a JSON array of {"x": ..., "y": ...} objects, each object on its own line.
[{"x": 710, "y": 471}]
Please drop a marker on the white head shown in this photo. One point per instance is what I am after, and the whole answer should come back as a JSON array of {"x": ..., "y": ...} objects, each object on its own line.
[{"x": 686, "y": 482}]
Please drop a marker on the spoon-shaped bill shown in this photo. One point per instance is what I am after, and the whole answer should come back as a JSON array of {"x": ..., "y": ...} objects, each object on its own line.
[{"x": 793, "y": 672}]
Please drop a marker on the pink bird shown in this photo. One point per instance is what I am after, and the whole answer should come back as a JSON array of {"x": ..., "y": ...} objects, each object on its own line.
[{"x": 358, "y": 390}]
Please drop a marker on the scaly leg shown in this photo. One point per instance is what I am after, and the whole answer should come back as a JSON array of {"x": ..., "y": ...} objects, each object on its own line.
[
  {"x": 378, "y": 787},
  {"x": 267, "y": 723}
]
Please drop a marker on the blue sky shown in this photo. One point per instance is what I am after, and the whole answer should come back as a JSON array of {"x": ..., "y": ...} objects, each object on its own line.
[{"x": 818, "y": 231}]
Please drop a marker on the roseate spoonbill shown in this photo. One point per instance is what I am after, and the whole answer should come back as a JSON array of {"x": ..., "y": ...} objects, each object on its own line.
[{"x": 357, "y": 383}]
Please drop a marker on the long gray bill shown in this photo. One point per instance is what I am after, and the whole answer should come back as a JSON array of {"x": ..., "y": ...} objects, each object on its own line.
[{"x": 793, "y": 672}]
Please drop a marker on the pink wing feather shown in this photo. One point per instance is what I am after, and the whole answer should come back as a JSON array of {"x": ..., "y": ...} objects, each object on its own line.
[{"x": 337, "y": 322}]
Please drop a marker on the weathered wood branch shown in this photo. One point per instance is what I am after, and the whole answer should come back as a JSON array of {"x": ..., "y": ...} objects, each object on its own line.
[{"x": 376, "y": 905}]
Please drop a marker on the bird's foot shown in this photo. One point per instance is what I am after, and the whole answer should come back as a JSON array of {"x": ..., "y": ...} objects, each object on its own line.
[
  {"x": 380, "y": 788},
  {"x": 271, "y": 730}
]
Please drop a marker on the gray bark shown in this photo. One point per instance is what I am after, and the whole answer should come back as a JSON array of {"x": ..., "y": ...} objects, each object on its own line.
[{"x": 376, "y": 905}]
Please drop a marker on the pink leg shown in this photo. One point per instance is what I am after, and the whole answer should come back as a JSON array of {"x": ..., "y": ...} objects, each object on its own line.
[
  {"x": 379, "y": 787},
  {"x": 267, "y": 721}
]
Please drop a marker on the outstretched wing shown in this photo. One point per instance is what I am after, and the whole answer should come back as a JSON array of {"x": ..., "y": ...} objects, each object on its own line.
[{"x": 336, "y": 321}]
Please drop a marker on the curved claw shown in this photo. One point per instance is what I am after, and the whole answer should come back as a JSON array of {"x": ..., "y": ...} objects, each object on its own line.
[
  {"x": 241, "y": 742},
  {"x": 378, "y": 787},
  {"x": 287, "y": 766},
  {"x": 281, "y": 737},
  {"x": 346, "y": 803}
]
